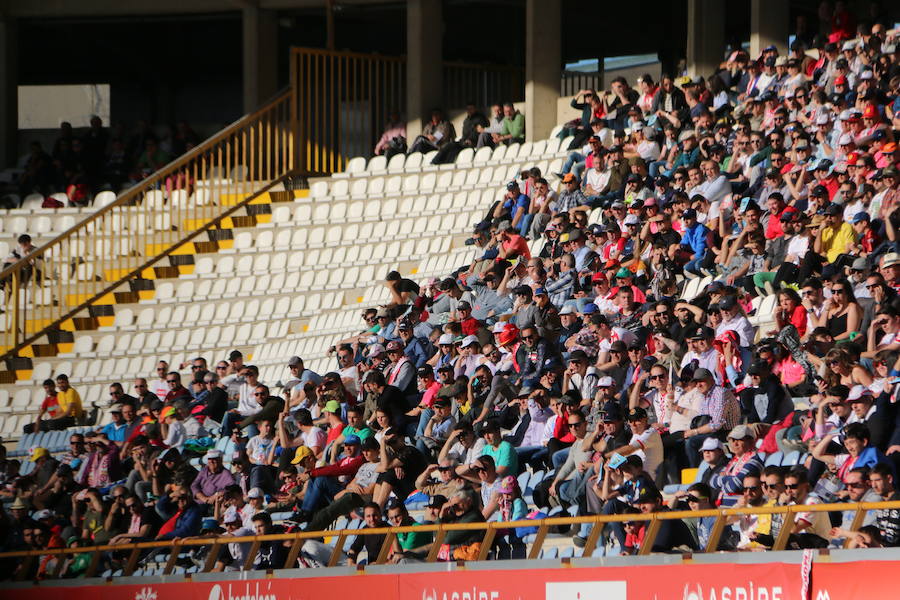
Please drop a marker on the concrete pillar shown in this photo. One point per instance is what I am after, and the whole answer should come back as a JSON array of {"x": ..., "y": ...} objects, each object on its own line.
[
  {"x": 543, "y": 66},
  {"x": 768, "y": 26},
  {"x": 9, "y": 91},
  {"x": 260, "y": 56},
  {"x": 705, "y": 36},
  {"x": 424, "y": 63}
]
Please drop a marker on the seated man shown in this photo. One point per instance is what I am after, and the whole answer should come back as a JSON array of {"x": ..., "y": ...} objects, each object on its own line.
[
  {"x": 325, "y": 482},
  {"x": 356, "y": 493}
]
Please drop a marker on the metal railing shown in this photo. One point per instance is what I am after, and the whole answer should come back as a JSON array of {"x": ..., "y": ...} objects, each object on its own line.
[
  {"x": 482, "y": 84},
  {"x": 135, "y": 551},
  {"x": 344, "y": 99},
  {"x": 52, "y": 288},
  {"x": 571, "y": 82}
]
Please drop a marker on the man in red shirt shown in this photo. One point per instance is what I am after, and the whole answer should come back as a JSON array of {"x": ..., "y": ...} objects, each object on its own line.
[
  {"x": 49, "y": 407},
  {"x": 513, "y": 245}
]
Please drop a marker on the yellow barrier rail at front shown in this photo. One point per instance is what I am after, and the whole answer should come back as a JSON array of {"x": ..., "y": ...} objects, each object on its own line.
[{"x": 297, "y": 539}]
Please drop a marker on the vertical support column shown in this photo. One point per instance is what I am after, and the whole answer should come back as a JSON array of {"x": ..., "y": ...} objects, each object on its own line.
[
  {"x": 705, "y": 36},
  {"x": 543, "y": 59},
  {"x": 9, "y": 91},
  {"x": 768, "y": 25},
  {"x": 424, "y": 63},
  {"x": 260, "y": 56}
]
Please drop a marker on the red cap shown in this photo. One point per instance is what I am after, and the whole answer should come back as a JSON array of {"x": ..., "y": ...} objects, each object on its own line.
[
  {"x": 600, "y": 276},
  {"x": 871, "y": 112},
  {"x": 840, "y": 80},
  {"x": 852, "y": 159}
]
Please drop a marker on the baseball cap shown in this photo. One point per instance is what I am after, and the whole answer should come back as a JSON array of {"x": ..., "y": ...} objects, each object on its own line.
[
  {"x": 115, "y": 408},
  {"x": 702, "y": 375},
  {"x": 374, "y": 350},
  {"x": 605, "y": 382},
  {"x": 591, "y": 308},
  {"x": 833, "y": 210},
  {"x": 42, "y": 514},
  {"x": 568, "y": 309},
  {"x": 623, "y": 273},
  {"x": 352, "y": 440},
  {"x": 860, "y": 217},
  {"x": 294, "y": 361},
  {"x": 890, "y": 259},
  {"x": 332, "y": 406},
  {"x": 577, "y": 355},
  {"x": 512, "y": 185},
  {"x": 689, "y": 213},
  {"x": 728, "y": 302},
  {"x": 616, "y": 461},
  {"x": 301, "y": 453},
  {"x": 741, "y": 432},
  {"x": 469, "y": 340},
  {"x": 712, "y": 443},
  {"x": 436, "y": 501},
  {"x": 425, "y": 371},
  {"x": 632, "y": 220},
  {"x": 446, "y": 339},
  {"x": 212, "y": 454},
  {"x": 256, "y": 493},
  {"x": 637, "y": 413},
  {"x": 568, "y": 177},
  {"x": 231, "y": 515},
  {"x": 394, "y": 346},
  {"x": 168, "y": 411}
]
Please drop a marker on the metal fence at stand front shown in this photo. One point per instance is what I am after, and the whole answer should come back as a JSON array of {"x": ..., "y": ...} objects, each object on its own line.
[
  {"x": 344, "y": 100},
  {"x": 132, "y": 553},
  {"x": 482, "y": 84},
  {"x": 56, "y": 284}
]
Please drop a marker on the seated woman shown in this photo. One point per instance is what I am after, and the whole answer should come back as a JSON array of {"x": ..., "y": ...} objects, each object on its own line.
[{"x": 843, "y": 314}]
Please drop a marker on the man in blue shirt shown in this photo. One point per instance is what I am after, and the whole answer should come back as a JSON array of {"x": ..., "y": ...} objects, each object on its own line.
[
  {"x": 514, "y": 204},
  {"x": 115, "y": 430},
  {"x": 694, "y": 240}
]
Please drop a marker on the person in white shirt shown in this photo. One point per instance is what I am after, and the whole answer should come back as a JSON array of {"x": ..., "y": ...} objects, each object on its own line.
[
  {"x": 733, "y": 319},
  {"x": 159, "y": 386},
  {"x": 702, "y": 351},
  {"x": 716, "y": 186},
  {"x": 172, "y": 428},
  {"x": 645, "y": 441}
]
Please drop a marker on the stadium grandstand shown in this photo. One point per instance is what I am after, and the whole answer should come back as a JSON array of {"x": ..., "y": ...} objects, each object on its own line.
[{"x": 504, "y": 327}]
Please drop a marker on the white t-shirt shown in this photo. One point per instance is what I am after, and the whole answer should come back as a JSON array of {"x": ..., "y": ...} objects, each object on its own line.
[
  {"x": 315, "y": 437},
  {"x": 176, "y": 436},
  {"x": 466, "y": 456},
  {"x": 366, "y": 474},
  {"x": 159, "y": 387}
]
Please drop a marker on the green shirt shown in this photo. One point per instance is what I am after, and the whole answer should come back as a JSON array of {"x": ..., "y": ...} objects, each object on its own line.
[
  {"x": 504, "y": 456},
  {"x": 362, "y": 434},
  {"x": 514, "y": 127},
  {"x": 414, "y": 539}
]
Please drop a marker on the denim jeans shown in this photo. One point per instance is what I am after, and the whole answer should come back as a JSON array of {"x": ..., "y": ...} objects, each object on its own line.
[
  {"x": 321, "y": 491},
  {"x": 571, "y": 161},
  {"x": 693, "y": 265},
  {"x": 535, "y": 456}
]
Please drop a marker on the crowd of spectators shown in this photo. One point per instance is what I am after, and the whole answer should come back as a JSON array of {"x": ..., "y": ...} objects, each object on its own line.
[
  {"x": 82, "y": 163},
  {"x": 775, "y": 179}
]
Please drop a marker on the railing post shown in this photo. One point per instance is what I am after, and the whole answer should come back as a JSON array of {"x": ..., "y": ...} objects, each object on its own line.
[
  {"x": 436, "y": 546},
  {"x": 858, "y": 519},
  {"x": 538, "y": 543},
  {"x": 488, "y": 541},
  {"x": 338, "y": 548},
  {"x": 593, "y": 537},
  {"x": 716, "y": 534},
  {"x": 650, "y": 536},
  {"x": 389, "y": 538},
  {"x": 787, "y": 528}
]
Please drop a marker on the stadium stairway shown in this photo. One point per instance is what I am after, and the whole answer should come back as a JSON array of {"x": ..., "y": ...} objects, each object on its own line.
[{"x": 285, "y": 275}]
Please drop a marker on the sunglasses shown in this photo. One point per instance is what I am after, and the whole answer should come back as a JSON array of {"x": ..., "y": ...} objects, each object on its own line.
[
  {"x": 221, "y": 367},
  {"x": 856, "y": 485},
  {"x": 652, "y": 377},
  {"x": 195, "y": 367},
  {"x": 576, "y": 424},
  {"x": 792, "y": 486},
  {"x": 752, "y": 488},
  {"x": 171, "y": 381},
  {"x": 695, "y": 499}
]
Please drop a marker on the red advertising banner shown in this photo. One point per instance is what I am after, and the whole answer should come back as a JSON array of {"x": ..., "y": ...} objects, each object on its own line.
[
  {"x": 872, "y": 580},
  {"x": 775, "y": 581}
]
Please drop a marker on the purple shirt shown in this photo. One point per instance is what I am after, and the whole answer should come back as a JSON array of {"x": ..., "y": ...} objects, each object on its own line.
[{"x": 208, "y": 483}]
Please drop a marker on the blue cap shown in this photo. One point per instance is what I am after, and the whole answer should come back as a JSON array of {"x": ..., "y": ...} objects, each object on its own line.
[
  {"x": 512, "y": 185},
  {"x": 861, "y": 216},
  {"x": 589, "y": 308},
  {"x": 540, "y": 292},
  {"x": 209, "y": 523},
  {"x": 352, "y": 439}
]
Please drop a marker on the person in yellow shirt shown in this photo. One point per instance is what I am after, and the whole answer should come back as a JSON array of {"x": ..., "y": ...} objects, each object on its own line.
[
  {"x": 836, "y": 236},
  {"x": 70, "y": 406}
]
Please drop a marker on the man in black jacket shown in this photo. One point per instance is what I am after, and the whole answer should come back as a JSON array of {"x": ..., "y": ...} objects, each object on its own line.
[{"x": 765, "y": 401}]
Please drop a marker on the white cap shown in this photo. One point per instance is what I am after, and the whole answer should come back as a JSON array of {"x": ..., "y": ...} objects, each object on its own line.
[
  {"x": 605, "y": 382},
  {"x": 469, "y": 340},
  {"x": 711, "y": 443},
  {"x": 857, "y": 392},
  {"x": 256, "y": 493},
  {"x": 212, "y": 454},
  {"x": 845, "y": 114},
  {"x": 845, "y": 139},
  {"x": 499, "y": 326},
  {"x": 632, "y": 220},
  {"x": 232, "y": 515},
  {"x": 866, "y": 75},
  {"x": 42, "y": 514},
  {"x": 848, "y": 45},
  {"x": 374, "y": 350},
  {"x": 568, "y": 309},
  {"x": 446, "y": 339},
  {"x": 822, "y": 119}
]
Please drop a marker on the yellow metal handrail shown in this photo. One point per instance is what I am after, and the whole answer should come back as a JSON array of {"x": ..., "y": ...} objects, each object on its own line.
[
  {"x": 100, "y": 255},
  {"x": 135, "y": 550}
]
